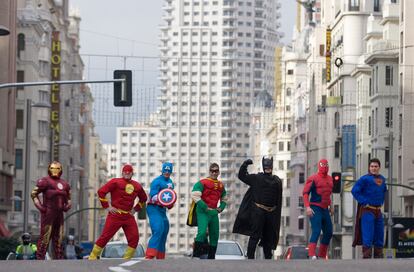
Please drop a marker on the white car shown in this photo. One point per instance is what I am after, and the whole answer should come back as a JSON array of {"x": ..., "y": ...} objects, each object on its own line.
[
  {"x": 229, "y": 250},
  {"x": 116, "y": 250}
]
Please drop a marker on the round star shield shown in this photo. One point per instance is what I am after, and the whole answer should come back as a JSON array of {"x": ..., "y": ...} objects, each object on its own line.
[{"x": 167, "y": 197}]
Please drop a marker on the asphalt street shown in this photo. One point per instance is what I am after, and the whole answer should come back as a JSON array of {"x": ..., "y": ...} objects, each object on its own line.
[{"x": 184, "y": 265}]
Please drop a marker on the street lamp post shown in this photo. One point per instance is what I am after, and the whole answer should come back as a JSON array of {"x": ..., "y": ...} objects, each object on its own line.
[
  {"x": 26, "y": 198},
  {"x": 390, "y": 148}
]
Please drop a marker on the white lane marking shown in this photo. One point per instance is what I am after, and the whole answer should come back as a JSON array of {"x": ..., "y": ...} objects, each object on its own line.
[
  {"x": 129, "y": 263},
  {"x": 117, "y": 269}
]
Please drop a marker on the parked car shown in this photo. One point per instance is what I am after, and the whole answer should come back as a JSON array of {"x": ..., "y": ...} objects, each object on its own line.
[
  {"x": 116, "y": 250},
  {"x": 297, "y": 252},
  {"x": 229, "y": 250},
  {"x": 226, "y": 250}
]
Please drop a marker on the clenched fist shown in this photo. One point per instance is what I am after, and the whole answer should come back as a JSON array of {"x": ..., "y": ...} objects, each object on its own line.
[{"x": 248, "y": 162}]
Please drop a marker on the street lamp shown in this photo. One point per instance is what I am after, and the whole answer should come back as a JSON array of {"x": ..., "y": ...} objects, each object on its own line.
[
  {"x": 26, "y": 197},
  {"x": 4, "y": 31}
]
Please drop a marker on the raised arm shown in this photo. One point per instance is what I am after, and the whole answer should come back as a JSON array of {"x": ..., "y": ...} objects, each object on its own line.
[{"x": 244, "y": 175}]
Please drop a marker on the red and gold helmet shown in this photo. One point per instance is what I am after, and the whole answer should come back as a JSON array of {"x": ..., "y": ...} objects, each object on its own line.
[{"x": 55, "y": 169}]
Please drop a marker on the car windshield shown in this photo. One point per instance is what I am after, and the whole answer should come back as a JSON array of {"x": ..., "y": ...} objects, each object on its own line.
[
  {"x": 118, "y": 250},
  {"x": 228, "y": 249},
  {"x": 299, "y": 253}
]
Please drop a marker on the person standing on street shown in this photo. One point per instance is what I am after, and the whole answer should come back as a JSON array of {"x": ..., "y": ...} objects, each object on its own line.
[
  {"x": 260, "y": 211},
  {"x": 207, "y": 193},
  {"x": 123, "y": 192},
  {"x": 317, "y": 194},
  {"x": 157, "y": 213},
  {"x": 56, "y": 200},
  {"x": 369, "y": 191}
]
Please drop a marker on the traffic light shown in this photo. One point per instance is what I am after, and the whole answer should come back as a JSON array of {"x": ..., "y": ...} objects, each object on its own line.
[
  {"x": 123, "y": 90},
  {"x": 336, "y": 178}
]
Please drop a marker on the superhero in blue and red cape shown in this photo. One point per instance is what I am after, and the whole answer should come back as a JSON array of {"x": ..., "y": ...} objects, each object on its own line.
[
  {"x": 369, "y": 191},
  {"x": 317, "y": 200}
]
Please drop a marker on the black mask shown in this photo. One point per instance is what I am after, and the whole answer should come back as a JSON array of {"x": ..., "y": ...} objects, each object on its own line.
[
  {"x": 26, "y": 242},
  {"x": 267, "y": 163}
]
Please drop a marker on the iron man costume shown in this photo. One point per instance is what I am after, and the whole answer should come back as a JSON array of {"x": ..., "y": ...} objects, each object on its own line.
[{"x": 56, "y": 200}]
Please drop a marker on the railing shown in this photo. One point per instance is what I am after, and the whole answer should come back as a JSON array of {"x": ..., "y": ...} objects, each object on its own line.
[{"x": 385, "y": 45}]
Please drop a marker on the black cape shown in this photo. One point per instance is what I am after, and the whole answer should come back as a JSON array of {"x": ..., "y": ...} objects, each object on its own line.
[{"x": 242, "y": 225}]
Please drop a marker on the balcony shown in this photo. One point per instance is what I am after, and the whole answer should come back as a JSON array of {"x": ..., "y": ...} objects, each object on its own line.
[
  {"x": 390, "y": 12},
  {"x": 374, "y": 28},
  {"x": 167, "y": 7},
  {"x": 385, "y": 46}
]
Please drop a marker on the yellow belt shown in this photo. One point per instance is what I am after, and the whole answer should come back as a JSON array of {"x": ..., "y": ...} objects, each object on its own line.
[
  {"x": 266, "y": 208},
  {"x": 372, "y": 207},
  {"x": 122, "y": 211}
]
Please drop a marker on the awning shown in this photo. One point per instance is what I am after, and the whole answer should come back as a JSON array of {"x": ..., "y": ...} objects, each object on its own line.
[{"x": 4, "y": 232}]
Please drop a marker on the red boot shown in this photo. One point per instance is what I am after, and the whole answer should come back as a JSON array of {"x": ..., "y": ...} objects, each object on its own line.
[
  {"x": 323, "y": 249},
  {"x": 311, "y": 250}
]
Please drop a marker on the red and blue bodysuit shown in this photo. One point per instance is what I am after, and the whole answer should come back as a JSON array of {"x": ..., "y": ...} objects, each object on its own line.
[
  {"x": 157, "y": 214},
  {"x": 123, "y": 192},
  {"x": 317, "y": 199},
  {"x": 369, "y": 192}
]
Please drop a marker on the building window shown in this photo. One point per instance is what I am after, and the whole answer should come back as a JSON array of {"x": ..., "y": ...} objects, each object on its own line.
[
  {"x": 281, "y": 165},
  {"x": 19, "y": 159},
  {"x": 42, "y": 158},
  {"x": 281, "y": 146},
  {"x": 353, "y": 5},
  {"x": 388, "y": 117},
  {"x": 290, "y": 72},
  {"x": 301, "y": 178},
  {"x": 287, "y": 201},
  {"x": 18, "y": 201},
  {"x": 21, "y": 43},
  {"x": 376, "y": 5},
  {"x": 20, "y": 78},
  {"x": 388, "y": 75},
  {"x": 301, "y": 223},
  {"x": 43, "y": 128},
  {"x": 337, "y": 148},
  {"x": 300, "y": 201},
  {"x": 19, "y": 119},
  {"x": 369, "y": 125},
  {"x": 287, "y": 221}
]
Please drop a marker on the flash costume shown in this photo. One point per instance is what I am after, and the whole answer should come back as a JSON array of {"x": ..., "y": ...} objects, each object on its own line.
[{"x": 123, "y": 194}]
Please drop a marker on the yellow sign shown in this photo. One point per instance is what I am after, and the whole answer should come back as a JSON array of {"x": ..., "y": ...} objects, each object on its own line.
[
  {"x": 328, "y": 55},
  {"x": 55, "y": 60}
]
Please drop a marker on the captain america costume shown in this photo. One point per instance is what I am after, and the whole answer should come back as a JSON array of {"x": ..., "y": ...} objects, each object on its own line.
[{"x": 157, "y": 212}]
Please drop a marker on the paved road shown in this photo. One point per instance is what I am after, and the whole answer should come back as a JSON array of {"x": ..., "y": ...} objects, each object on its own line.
[{"x": 186, "y": 265}]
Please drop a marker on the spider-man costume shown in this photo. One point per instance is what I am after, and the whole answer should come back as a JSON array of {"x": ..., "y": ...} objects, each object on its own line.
[{"x": 317, "y": 199}]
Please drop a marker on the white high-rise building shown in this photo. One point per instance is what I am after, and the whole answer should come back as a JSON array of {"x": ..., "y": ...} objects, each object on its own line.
[{"x": 215, "y": 57}]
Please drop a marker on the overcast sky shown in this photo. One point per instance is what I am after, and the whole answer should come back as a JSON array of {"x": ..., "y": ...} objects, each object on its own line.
[{"x": 130, "y": 27}]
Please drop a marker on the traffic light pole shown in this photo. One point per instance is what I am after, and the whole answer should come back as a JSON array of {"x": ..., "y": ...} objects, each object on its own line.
[
  {"x": 389, "y": 225},
  {"x": 60, "y": 82}
]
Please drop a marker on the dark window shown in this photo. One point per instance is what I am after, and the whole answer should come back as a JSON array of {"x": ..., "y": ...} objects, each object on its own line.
[
  {"x": 300, "y": 223},
  {"x": 337, "y": 148},
  {"x": 301, "y": 178},
  {"x": 388, "y": 117},
  {"x": 376, "y": 5},
  {"x": 18, "y": 201},
  {"x": 388, "y": 75},
  {"x": 322, "y": 50},
  {"x": 387, "y": 158},
  {"x": 369, "y": 125},
  {"x": 19, "y": 119},
  {"x": 20, "y": 78},
  {"x": 370, "y": 87},
  {"x": 300, "y": 201},
  {"x": 21, "y": 43},
  {"x": 19, "y": 159},
  {"x": 290, "y": 72}
]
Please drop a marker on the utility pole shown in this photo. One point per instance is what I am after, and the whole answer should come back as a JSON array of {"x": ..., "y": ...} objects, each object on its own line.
[
  {"x": 27, "y": 165},
  {"x": 390, "y": 158}
]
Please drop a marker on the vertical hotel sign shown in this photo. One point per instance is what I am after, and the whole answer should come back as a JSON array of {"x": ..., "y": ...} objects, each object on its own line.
[
  {"x": 328, "y": 55},
  {"x": 55, "y": 94}
]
